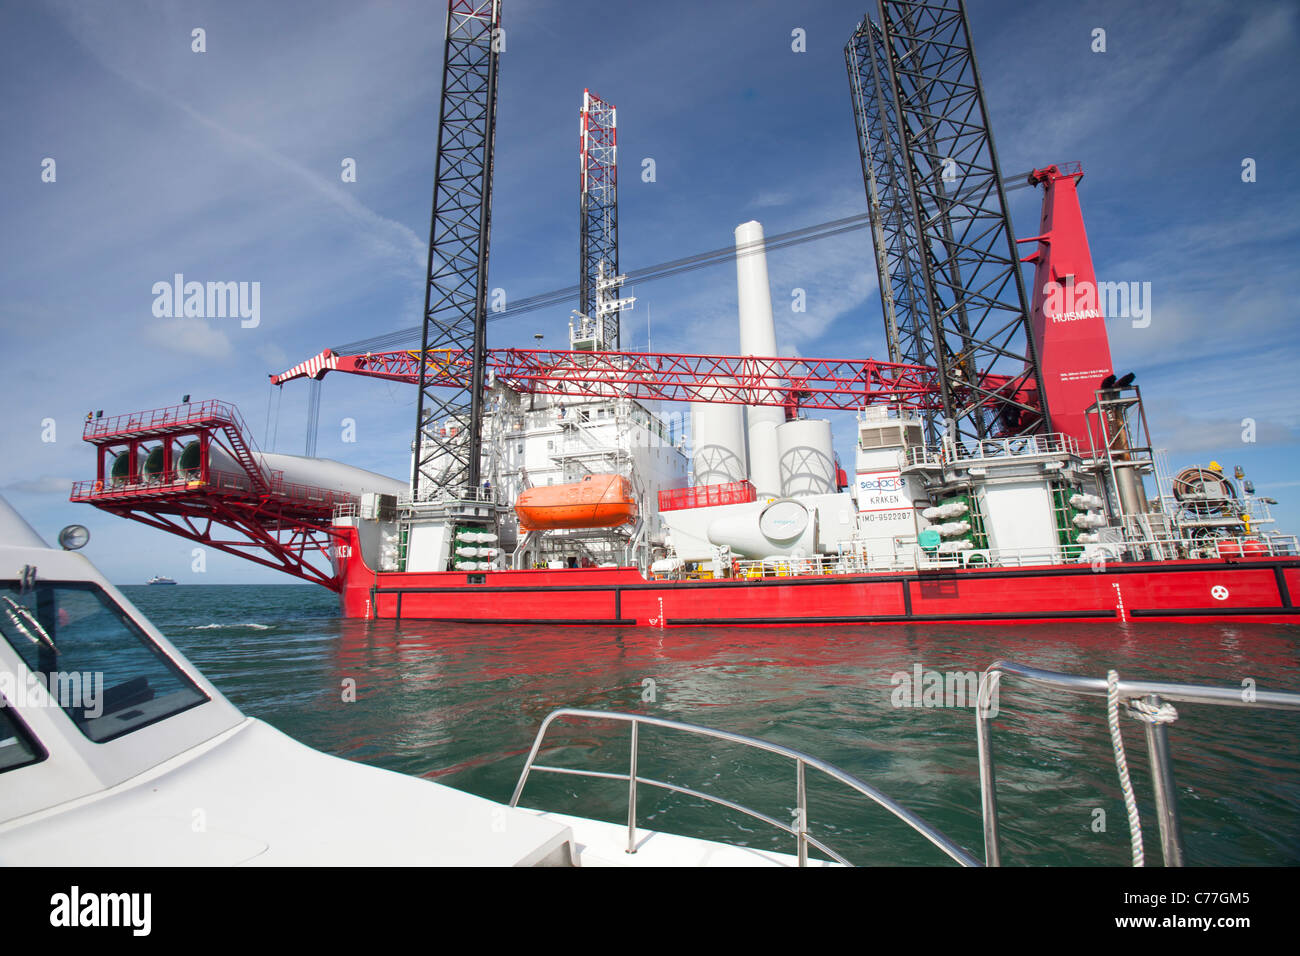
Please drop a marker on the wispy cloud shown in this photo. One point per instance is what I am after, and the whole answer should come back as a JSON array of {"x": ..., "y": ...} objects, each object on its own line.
[
  {"x": 1263, "y": 31},
  {"x": 385, "y": 237},
  {"x": 43, "y": 485},
  {"x": 769, "y": 198},
  {"x": 191, "y": 337}
]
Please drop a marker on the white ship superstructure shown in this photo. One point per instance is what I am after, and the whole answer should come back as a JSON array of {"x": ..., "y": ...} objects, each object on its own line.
[
  {"x": 547, "y": 440},
  {"x": 550, "y": 441}
]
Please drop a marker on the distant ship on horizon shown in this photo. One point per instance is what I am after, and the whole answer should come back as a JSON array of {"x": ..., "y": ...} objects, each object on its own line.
[{"x": 159, "y": 579}]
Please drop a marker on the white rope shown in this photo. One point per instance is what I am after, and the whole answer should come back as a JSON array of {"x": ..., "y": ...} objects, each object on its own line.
[
  {"x": 1151, "y": 713},
  {"x": 1121, "y": 764}
]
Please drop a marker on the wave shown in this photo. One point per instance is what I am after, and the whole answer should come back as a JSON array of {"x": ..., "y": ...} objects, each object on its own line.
[{"x": 225, "y": 627}]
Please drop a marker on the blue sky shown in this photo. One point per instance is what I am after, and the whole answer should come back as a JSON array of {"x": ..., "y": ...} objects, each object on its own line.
[{"x": 225, "y": 165}]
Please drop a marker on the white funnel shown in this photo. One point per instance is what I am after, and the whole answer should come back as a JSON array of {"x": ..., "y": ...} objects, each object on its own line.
[{"x": 758, "y": 337}]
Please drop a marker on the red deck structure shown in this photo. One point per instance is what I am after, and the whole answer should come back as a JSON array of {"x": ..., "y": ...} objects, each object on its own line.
[{"x": 280, "y": 524}]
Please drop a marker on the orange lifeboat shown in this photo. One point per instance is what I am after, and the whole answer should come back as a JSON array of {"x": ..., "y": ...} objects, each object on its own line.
[{"x": 598, "y": 501}]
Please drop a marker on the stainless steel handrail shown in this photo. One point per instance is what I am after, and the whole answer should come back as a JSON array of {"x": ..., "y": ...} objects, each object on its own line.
[
  {"x": 1154, "y": 692},
  {"x": 799, "y": 831},
  {"x": 1054, "y": 443}
]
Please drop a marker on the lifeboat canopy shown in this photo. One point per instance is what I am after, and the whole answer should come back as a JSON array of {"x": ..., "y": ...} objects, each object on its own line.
[{"x": 597, "y": 501}]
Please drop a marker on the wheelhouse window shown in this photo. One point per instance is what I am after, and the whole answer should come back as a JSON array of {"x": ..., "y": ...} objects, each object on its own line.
[
  {"x": 87, "y": 657},
  {"x": 18, "y": 748}
]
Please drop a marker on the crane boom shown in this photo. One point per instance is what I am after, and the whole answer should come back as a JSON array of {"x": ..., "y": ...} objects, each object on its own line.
[
  {"x": 950, "y": 280},
  {"x": 835, "y": 384}
]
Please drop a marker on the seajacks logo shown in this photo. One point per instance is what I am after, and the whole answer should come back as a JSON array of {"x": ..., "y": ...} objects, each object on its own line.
[{"x": 887, "y": 483}]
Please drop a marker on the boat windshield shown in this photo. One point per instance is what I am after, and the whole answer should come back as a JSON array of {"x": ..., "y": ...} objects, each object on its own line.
[
  {"x": 17, "y": 746},
  {"x": 88, "y": 657}
]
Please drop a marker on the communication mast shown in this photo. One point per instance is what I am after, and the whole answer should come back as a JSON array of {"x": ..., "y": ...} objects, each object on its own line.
[
  {"x": 950, "y": 273},
  {"x": 599, "y": 306},
  {"x": 449, "y": 421}
]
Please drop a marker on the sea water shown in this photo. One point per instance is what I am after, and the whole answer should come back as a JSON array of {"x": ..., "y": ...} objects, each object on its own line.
[{"x": 461, "y": 704}]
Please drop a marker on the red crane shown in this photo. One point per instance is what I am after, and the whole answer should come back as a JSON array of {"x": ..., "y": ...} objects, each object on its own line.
[
  {"x": 834, "y": 384},
  {"x": 1067, "y": 315}
]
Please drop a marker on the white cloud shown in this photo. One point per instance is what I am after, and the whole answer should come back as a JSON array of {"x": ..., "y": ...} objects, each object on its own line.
[
  {"x": 384, "y": 237},
  {"x": 769, "y": 198},
  {"x": 273, "y": 357},
  {"x": 195, "y": 337},
  {"x": 1262, "y": 32},
  {"x": 43, "y": 485}
]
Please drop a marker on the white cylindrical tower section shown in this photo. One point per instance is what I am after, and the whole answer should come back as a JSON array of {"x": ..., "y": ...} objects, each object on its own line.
[
  {"x": 718, "y": 439},
  {"x": 764, "y": 452},
  {"x": 295, "y": 470},
  {"x": 807, "y": 457},
  {"x": 758, "y": 337},
  {"x": 757, "y": 330},
  {"x": 334, "y": 475}
]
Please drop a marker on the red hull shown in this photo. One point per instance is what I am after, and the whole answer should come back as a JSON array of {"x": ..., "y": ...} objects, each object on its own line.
[{"x": 1247, "y": 589}]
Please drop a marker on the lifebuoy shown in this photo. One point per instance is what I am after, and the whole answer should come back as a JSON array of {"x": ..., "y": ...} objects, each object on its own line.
[{"x": 97, "y": 487}]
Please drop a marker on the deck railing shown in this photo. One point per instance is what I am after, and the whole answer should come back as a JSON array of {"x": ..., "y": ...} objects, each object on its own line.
[
  {"x": 189, "y": 413},
  {"x": 219, "y": 482},
  {"x": 442, "y": 495},
  {"x": 699, "y": 496},
  {"x": 858, "y": 561},
  {"x": 1150, "y": 695},
  {"x": 803, "y": 762},
  {"x": 1053, "y": 443},
  {"x": 1148, "y": 701}
]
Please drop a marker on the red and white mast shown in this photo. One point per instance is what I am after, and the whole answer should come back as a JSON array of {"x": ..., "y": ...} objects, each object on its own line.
[{"x": 599, "y": 305}]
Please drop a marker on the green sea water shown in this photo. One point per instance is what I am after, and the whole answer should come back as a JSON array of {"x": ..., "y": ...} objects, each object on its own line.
[{"x": 461, "y": 704}]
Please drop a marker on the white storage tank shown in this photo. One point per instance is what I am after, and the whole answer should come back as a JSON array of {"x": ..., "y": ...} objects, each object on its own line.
[
  {"x": 718, "y": 439},
  {"x": 807, "y": 457}
]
